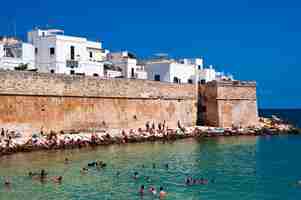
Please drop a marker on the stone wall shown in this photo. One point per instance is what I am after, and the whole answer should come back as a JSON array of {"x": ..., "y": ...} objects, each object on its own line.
[
  {"x": 229, "y": 103},
  {"x": 59, "y": 102}
]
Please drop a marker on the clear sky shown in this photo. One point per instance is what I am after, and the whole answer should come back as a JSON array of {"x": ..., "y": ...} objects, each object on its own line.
[{"x": 252, "y": 39}]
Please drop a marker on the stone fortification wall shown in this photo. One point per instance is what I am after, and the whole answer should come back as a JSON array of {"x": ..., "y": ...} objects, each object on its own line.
[
  {"x": 60, "y": 102},
  {"x": 229, "y": 103}
]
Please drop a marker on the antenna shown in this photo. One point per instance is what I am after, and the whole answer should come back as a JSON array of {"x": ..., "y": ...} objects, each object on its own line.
[{"x": 15, "y": 28}]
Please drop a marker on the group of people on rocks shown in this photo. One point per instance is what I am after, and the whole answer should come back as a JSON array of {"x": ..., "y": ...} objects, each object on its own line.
[{"x": 6, "y": 136}]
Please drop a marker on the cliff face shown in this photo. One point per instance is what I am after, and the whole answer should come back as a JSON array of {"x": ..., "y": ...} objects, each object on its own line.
[{"x": 59, "y": 102}]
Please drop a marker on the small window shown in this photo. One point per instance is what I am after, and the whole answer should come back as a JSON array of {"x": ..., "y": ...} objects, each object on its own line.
[
  {"x": 95, "y": 75},
  {"x": 36, "y": 50},
  {"x": 91, "y": 54},
  {"x": 72, "y": 53},
  {"x": 190, "y": 81},
  {"x": 52, "y": 71},
  {"x": 72, "y": 72},
  {"x": 157, "y": 77},
  {"x": 176, "y": 80},
  {"x": 52, "y": 51}
]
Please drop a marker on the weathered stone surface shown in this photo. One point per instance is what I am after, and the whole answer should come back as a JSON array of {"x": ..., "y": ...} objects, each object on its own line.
[
  {"x": 58, "y": 102},
  {"x": 229, "y": 103}
]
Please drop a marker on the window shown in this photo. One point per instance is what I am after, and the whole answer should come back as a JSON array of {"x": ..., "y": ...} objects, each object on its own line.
[
  {"x": 52, "y": 51},
  {"x": 132, "y": 73},
  {"x": 52, "y": 71},
  {"x": 157, "y": 77},
  {"x": 72, "y": 72},
  {"x": 72, "y": 53},
  {"x": 36, "y": 50},
  {"x": 91, "y": 54},
  {"x": 176, "y": 80},
  {"x": 95, "y": 75},
  {"x": 190, "y": 81}
]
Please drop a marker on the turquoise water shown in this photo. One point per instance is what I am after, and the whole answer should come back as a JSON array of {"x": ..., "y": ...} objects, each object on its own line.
[{"x": 242, "y": 167}]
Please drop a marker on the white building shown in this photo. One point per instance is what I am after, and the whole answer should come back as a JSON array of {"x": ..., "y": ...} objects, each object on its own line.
[
  {"x": 207, "y": 74},
  {"x": 167, "y": 70},
  {"x": 15, "y": 53},
  {"x": 128, "y": 64},
  {"x": 59, "y": 53}
]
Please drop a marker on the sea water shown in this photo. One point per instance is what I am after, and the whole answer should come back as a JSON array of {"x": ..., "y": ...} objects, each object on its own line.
[{"x": 236, "y": 167}]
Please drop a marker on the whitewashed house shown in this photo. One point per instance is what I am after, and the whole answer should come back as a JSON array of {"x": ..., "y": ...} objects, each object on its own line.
[
  {"x": 169, "y": 70},
  {"x": 128, "y": 64},
  {"x": 15, "y": 53},
  {"x": 59, "y": 53}
]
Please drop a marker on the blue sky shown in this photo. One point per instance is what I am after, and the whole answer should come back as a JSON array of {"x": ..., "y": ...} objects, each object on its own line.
[{"x": 252, "y": 39}]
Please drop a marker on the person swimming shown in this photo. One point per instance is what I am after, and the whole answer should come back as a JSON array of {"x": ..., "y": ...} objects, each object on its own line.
[
  {"x": 154, "y": 165},
  {"x": 57, "y": 179},
  {"x": 188, "y": 181},
  {"x": 84, "y": 170},
  {"x": 166, "y": 166},
  {"x": 141, "y": 190},
  {"x": 152, "y": 190},
  {"x": 43, "y": 174},
  {"x": 7, "y": 182},
  {"x": 162, "y": 193},
  {"x": 136, "y": 175},
  {"x": 66, "y": 161},
  {"x": 92, "y": 164}
]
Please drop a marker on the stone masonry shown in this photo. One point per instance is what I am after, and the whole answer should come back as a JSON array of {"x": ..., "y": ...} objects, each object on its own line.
[{"x": 61, "y": 102}]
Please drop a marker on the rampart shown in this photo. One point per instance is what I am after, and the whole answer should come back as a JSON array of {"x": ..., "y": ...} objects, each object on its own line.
[
  {"x": 228, "y": 103},
  {"x": 61, "y": 102}
]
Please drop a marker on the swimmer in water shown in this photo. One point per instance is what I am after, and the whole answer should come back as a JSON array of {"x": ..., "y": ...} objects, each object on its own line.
[
  {"x": 166, "y": 166},
  {"x": 43, "y": 174},
  {"x": 66, "y": 161},
  {"x": 135, "y": 175},
  {"x": 154, "y": 165},
  {"x": 152, "y": 190},
  {"x": 84, "y": 170},
  {"x": 57, "y": 179},
  {"x": 162, "y": 193},
  {"x": 7, "y": 182},
  {"x": 117, "y": 173},
  {"x": 141, "y": 190}
]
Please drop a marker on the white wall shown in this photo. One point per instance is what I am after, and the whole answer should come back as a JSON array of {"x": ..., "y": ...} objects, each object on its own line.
[
  {"x": 169, "y": 69},
  {"x": 183, "y": 71},
  {"x": 158, "y": 68},
  {"x": 62, "y": 45},
  {"x": 1, "y": 50},
  {"x": 28, "y": 56}
]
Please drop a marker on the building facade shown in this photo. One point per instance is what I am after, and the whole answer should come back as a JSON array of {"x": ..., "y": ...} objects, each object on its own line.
[
  {"x": 128, "y": 64},
  {"x": 59, "y": 53},
  {"x": 14, "y": 53},
  {"x": 167, "y": 70}
]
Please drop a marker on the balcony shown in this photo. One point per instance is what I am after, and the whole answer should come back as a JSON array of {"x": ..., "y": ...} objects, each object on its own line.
[{"x": 72, "y": 63}]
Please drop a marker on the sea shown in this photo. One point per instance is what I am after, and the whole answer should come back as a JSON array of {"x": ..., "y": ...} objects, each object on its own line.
[{"x": 236, "y": 168}]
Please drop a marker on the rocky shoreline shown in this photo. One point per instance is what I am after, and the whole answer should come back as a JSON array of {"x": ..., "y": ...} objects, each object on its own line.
[{"x": 11, "y": 142}]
